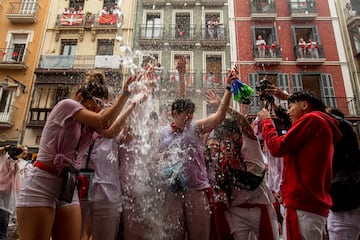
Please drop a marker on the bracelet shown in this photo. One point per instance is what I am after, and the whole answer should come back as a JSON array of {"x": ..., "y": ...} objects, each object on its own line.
[
  {"x": 126, "y": 93},
  {"x": 228, "y": 88}
]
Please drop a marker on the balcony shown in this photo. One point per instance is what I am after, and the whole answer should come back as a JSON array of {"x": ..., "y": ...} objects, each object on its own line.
[
  {"x": 151, "y": 3},
  {"x": 23, "y": 12},
  {"x": 213, "y": 3},
  {"x": 269, "y": 54},
  {"x": 13, "y": 58},
  {"x": 306, "y": 56},
  {"x": 151, "y": 36},
  {"x": 352, "y": 15},
  {"x": 302, "y": 9},
  {"x": 182, "y": 36},
  {"x": 183, "y": 3},
  {"x": 7, "y": 119},
  {"x": 56, "y": 62},
  {"x": 79, "y": 23},
  {"x": 263, "y": 11},
  {"x": 38, "y": 117},
  {"x": 214, "y": 38},
  {"x": 216, "y": 80},
  {"x": 171, "y": 82}
]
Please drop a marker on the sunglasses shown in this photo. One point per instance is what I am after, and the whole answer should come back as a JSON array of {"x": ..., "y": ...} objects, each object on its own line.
[{"x": 98, "y": 101}]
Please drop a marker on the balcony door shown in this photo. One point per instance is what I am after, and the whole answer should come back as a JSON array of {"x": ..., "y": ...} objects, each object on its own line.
[
  {"x": 27, "y": 7},
  {"x": 153, "y": 25},
  {"x": 182, "y": 25},
  {"x": 6, "y": 99}
]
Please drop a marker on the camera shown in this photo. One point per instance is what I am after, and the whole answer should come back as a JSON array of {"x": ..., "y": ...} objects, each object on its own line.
[
  {"x": 13, "y": 151},
  {"x": 261, "y": 87}
]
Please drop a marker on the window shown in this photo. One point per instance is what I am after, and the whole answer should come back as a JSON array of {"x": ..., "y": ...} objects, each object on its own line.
[
  {"x": 278, "y": 79},
  {"x": 213, "y": 70},
  {"x": 189, "y": 75},
  {"x": 269, "y": 35},
  {"x": 76, "y": 4},
  {"x": 6, "y": 98},
  {"x": 308, "y": 35},
  {"x": 321, "y": 84},
  {"x": 356, "y": 40},
  {"x": 17, "y": 48},
  {"x": 27, "y": 7},
  {"x": 105, "y": 47},
  {"x": 183, "y": 25},
  {"x": 211, "y": 29},
  {"x": 110, "y": 4},
  {"x": 68, "y": 47},
  {"x": 153, "y": 25}
]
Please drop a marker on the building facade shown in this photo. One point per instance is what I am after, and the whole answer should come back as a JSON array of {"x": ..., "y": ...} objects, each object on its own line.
[
  {"x": 21, "y": 34},
  {"x": 302, "y": 50},
  {"x": 80, "y": 36},
  {"x": 166, "y": 30}
]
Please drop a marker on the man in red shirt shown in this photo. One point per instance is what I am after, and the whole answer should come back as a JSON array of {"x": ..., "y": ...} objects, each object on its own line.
[{"x": 307, "y": 149}]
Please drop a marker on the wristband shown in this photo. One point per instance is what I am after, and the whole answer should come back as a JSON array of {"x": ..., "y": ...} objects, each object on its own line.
[
  {"x": 126, "y": 93},
  {"x": 228, "y": 88}
]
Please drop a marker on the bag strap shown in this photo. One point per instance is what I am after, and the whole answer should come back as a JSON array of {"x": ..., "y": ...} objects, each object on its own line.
[
  {"x": 78, "y": 143},
  {"x": 89, "y": 153}
]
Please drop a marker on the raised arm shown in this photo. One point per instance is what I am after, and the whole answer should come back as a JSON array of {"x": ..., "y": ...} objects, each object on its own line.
[
  {"x": 213, "y": 99},
  {"x": 181, "y": 68},
  {"x": 212, "y": 121},
  {"x": 104, "y": 120}
]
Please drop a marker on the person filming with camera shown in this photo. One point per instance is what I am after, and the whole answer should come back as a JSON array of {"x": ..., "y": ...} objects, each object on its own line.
[
  {"x": 307, "y": 148},
  {"x": 12, "y": 164}
]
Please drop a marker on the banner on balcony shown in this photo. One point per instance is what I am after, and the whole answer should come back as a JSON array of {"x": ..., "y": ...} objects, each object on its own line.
[
  {"x": 108, "y": 19},
  {"x": 71, "y": 19}
]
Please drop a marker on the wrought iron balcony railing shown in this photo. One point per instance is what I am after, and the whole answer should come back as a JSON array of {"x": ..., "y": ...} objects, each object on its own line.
[
  {"x": 7, "y": 118},
  {"x": 23, "y": 12},
  {"x": 302, "y": 9},
  {"x": 309, "y": 55},
  {"x": 79, "y": 61},
  {"x": 268, "y": 52},
  {"x": 13, "y": 58},
  {"x": 155, "y": 32}
]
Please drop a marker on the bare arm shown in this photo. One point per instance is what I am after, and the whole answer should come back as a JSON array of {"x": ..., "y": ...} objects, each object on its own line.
[
  {"x": 119, "y": 124},
  {"x": 181, "y": 68},
  {"x": 212, "y": 121},
  {"x": 245, "y": 127},
  {"x": 103, "y": 121}
]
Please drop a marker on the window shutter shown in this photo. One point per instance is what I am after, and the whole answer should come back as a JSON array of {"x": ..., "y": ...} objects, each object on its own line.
[
  {"x": 297, "y": 85},
  {"x": 327, "y": 90},
  {"x": 255, "y": 105}
]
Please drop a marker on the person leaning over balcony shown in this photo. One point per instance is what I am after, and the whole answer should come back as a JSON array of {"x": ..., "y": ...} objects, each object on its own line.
[
  {"x": 313, "y": 47},
  {"x": 260, "y": 44},
  {"x": 301, "y": 48},
  {"x": 45, "y": 208},
  {"x": 307, "y": 148}
]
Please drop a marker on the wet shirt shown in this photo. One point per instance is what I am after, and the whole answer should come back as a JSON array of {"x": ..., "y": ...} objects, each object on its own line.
[
  {"x": 63, "y": 135},
  {"x": 187, "y": 148}
]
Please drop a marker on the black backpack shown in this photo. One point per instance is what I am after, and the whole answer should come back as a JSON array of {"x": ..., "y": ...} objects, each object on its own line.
[{"x": 345, "y": 187}]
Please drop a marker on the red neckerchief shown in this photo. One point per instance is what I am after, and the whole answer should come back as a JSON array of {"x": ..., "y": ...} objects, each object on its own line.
[{"x": 175, "y": 128}]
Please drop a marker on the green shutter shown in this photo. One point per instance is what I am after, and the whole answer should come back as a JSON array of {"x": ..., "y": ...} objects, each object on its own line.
[
  {"x": 297, "y": 85},
  {"x": 327, "y": 90}
]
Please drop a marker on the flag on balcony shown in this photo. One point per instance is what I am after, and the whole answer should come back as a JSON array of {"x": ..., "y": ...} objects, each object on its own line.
[
  {"x": 71, "y": 19},
  {"x": 108, "y": 19}
]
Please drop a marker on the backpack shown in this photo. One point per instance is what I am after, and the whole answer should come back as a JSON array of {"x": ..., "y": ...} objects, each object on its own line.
[{"x": 345, "y": 186}]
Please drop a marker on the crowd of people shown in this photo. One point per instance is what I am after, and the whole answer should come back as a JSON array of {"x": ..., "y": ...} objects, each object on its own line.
[{"x": 100, "y": 175}]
